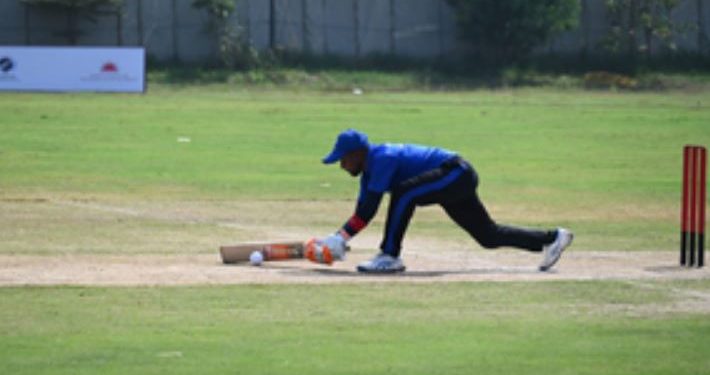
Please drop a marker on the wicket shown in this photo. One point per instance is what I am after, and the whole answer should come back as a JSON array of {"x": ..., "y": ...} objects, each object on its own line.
[{"x": 692, "y": 232}]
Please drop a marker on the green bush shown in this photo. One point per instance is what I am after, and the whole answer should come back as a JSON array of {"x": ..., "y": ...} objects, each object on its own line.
[{"x": 503, "y": 32}]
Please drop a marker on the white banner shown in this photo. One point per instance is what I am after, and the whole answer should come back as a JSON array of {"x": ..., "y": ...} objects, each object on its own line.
[{"x": 112, "y": 69}]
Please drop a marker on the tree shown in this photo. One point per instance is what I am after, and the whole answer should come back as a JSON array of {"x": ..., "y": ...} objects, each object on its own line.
[
  {"x": 505, "y": 31},
  {"x": 234, "y": 51},
  {"x": 77, "y": 9},
  {"x": 646, "y": 21},
  {"x": 220, "y": 10}
]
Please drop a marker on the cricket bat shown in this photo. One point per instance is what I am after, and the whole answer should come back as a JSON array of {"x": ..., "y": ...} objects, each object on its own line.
[{"x": 282, "y": 250}]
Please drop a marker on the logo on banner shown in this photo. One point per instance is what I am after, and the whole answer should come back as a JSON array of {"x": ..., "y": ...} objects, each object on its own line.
[
  {"x": 109, "y": 72},
  {"x": 109, "y": 67},
  {"x": 7, "y": 65}
]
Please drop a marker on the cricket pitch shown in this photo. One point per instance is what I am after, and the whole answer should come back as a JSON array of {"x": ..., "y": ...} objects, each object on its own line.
[{"x": 422, "y": 266}]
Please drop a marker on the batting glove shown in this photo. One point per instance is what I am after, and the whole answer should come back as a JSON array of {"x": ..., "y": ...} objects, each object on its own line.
[
  {"x": 326, "y": 250},
  {"x": 337, "y": 245},
  {"x": 317, "y": 252}
]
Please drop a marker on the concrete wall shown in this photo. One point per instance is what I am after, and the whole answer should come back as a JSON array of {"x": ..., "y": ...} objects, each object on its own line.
[{"x": 172, "y": 30}]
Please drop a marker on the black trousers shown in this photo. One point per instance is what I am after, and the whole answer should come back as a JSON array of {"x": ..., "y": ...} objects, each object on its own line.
[{"x": 453, "y": 186}]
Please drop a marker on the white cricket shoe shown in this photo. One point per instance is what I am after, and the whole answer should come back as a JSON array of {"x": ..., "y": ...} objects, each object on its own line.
[
  {"x": 382, "y": 263},
  {"x": 553, "y": 251}
]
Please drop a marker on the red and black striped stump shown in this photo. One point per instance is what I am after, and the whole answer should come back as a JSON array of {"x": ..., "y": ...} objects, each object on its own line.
[{"x": 692, "y": 216}]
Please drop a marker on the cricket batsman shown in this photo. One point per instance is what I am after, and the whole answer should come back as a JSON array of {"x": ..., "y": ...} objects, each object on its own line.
[{"x": 414, "y": 176}]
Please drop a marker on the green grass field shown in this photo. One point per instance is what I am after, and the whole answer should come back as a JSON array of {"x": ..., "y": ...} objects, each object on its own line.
[
  {"x": 114, "y": 174},
  {"x": 606, "y": 164},
  {"x": 458, "y": 328}
]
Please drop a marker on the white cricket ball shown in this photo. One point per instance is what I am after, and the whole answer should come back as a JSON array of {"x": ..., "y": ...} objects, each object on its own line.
[{"x": 256, "y": 258}]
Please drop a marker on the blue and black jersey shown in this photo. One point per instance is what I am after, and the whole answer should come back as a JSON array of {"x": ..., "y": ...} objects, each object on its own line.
[{"x": 387, "y": 167}]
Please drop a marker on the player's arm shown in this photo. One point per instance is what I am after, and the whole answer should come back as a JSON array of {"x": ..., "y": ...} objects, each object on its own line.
[
  {"x": 371, "y": 192},
  {"x": 364, "y": 212},
  {"x": 368, "y": 202},
  {"x": 337, "y": 243}
]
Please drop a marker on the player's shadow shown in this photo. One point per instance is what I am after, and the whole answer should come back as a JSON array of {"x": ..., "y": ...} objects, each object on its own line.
[{"x": 424, "y": 274}]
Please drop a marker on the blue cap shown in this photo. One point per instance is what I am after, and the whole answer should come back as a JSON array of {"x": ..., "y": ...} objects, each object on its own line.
[{"x": 348, "y": 141}]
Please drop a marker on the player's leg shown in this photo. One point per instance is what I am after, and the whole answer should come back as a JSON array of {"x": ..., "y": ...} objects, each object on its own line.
[
  {"x": 461, "y": 202},
  {"x": 399, "y": 214},
  {"x": 471, "y": 215},
  {"x": 431, "y": 187},
  {"x": 421, "y": 190},
  {"x": 388, "y": 260}
]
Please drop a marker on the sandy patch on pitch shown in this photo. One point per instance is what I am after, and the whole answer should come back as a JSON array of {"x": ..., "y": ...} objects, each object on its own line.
[{"x": 422, "y": 266}]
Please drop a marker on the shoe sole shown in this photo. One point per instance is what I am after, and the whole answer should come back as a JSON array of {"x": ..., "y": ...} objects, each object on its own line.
[
  {"x": 380, "y": 272},
  {"x": 562, "y": 250}
]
